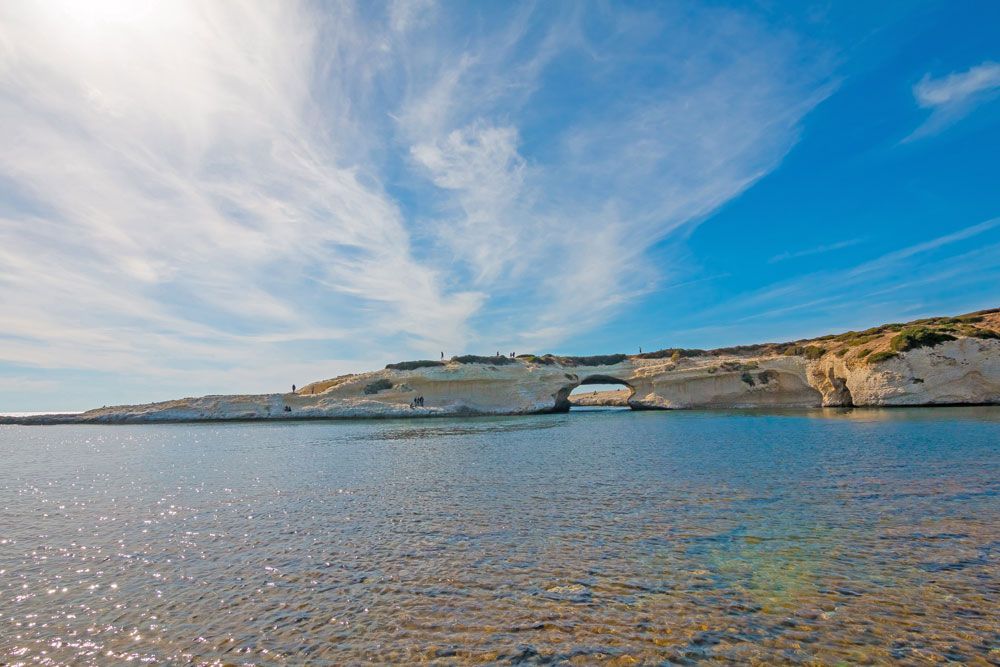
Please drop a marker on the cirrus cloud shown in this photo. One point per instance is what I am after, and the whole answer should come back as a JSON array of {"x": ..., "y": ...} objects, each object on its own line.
[{"x": 193, "y": 192}]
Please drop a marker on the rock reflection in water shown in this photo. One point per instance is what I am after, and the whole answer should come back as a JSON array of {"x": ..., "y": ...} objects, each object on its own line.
[{"x": 615, "y": 537}]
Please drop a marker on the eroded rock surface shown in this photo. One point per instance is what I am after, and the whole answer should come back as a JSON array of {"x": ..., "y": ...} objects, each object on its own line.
[{"x": 939, "y": 361}]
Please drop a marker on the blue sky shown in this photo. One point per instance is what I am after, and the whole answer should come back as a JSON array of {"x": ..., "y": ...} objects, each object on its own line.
[{"x": 232, "y": 197}]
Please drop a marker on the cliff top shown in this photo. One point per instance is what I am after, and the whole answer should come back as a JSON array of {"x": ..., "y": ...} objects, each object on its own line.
[{"x": 869, "y": 346}]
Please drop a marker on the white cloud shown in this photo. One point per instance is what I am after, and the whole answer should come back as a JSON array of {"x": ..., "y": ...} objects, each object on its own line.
[
  {"x": 191, "y": 188},
  {"x": 954, "y": 96},
  {"x": 910, "y": 270},
  {"x": 481, "y": 166},
  {"x": 566, "y": 233},
  {"x": 185, "y": 182},
  {"x": 817, "y": 250},
  {"x": 957, "y": 87}
]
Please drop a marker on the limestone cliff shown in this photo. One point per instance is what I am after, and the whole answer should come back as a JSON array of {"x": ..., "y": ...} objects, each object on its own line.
[{"x": 937, "y": 361}]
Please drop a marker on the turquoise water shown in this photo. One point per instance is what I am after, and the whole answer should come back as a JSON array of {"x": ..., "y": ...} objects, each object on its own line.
[{"x": 608, "y": 536}]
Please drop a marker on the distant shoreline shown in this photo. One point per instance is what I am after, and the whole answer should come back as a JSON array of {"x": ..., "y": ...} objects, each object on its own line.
[{"x": 927, "y": 362}]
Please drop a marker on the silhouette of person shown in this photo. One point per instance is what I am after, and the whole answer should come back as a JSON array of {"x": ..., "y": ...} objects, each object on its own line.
[
  {"x": 442, "y": 355},
  {"x": 293, "y": 388}
]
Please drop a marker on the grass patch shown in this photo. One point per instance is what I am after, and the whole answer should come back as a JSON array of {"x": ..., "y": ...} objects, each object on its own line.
[
  {"x": 550, "y": 359},
  {"x": 377, "y": 386},
  {"x": 913, "y": 338},
  {"x": 860, "y": 339},
  {"x": 767, "y": 376},
  {"x": 731, "y": 366},
  {"x": 673, "y": 353},
  {"x": 807, "y": 351},
  {"x": 986, "y": 334},
  {"x": 413, "y": 365},
  {"x": 813, "y": 352},
  {"x": 596, "y": 360},
  {"x": 545, "y": 360},
  {"x": 881, "y": 356},
  {"x": 476, "y": 359},
  {"x": 746, "y": 350}
]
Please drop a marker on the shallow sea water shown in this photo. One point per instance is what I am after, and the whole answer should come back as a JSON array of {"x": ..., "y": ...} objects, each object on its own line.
[{"x": 819, "y": 537}]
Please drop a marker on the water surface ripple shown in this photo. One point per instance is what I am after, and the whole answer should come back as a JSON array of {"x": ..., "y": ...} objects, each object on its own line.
[{"x": 818, "y": 537}]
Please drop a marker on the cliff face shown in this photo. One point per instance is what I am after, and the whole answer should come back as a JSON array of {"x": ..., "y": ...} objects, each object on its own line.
[
  {"x": 938, "y": 362},
  {"x": 966, "y": 370}
]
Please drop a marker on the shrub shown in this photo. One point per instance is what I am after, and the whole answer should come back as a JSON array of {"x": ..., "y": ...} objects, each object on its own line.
[
  {"x": 413, "y": 365},
  {"x": 746, "y": 377},
  {"x": 747, "y": 350},
  {"x": 976, "y": 332},
  {"x": 670, "y": 353},
  {"x": 807, "y": 351},
  {"x": 377, "y": 386},
  {"x": 596, "y": 360},
  {"x": 912, "y": 338},
  {"x": 731, "y": 366},
  {"x": 546, "y": 360},
  {"x": 813, "y": 352},
  {"x": 767, "y": 376},
  {"x": 881, "y": 356},
  {"x": 862, "y": 353},
  {"x": 476, "y": 359},
  {"x": 861, "y": 339}
]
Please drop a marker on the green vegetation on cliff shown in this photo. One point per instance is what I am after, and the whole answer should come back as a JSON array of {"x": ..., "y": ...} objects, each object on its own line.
[
  {"x": 912, "y": 338},
  {"x": 884, "y": 355},
  {"x": 413, "y": 365},
  {"x": 476, "y": 359},
  {"x": 377, "y": 386}
]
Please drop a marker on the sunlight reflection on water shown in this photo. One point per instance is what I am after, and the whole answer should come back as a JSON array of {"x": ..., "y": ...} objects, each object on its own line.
[{"x": 866, "y": 535}]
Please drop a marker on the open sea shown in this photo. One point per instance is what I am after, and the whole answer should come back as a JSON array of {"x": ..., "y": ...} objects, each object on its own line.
[{"x": 813, "y": 537}]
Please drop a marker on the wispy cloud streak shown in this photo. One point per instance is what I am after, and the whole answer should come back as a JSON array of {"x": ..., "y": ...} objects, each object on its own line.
[
  {"x": 217, "y": 187},
  {"x": 950, "y": 98}
]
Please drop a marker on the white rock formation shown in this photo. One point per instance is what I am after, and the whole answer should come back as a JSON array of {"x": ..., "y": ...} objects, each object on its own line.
[{"x": 846, "y": 370}]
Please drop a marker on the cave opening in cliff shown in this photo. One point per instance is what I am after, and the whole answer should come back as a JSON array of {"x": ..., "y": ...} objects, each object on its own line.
[{"x": 600, "y": 392}]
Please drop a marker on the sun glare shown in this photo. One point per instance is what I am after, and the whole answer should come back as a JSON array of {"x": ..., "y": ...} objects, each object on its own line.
[{"x": 96, "y": 13}]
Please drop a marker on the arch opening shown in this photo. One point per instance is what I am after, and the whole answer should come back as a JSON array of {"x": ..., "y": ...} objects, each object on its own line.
[{"x": 599, "y": 392}]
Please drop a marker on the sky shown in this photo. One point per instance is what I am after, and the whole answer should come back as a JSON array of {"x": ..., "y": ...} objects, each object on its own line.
[{"x": 232, "y": 197}]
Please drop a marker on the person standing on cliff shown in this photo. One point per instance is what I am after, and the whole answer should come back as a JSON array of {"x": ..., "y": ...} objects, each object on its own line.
[
  {"x": 442, "y": 356},
  {"x": 293, "y": 388}
]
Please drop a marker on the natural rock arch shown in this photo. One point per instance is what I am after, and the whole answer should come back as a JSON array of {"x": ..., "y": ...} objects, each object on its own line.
[{"x": 563, "y": 403}]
